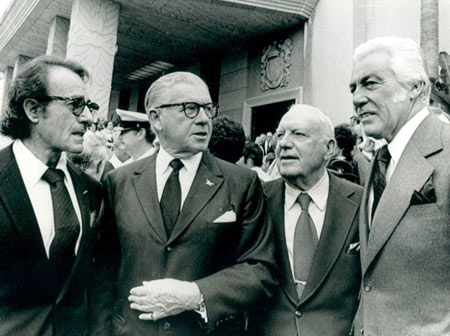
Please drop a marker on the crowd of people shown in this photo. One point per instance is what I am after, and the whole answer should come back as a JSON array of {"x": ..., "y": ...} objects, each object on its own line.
[{"x": 174, "y": 222}]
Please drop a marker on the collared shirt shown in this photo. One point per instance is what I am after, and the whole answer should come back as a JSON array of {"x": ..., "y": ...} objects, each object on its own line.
[
  {"x": 186, "y": 174},
  {"x": 115, "y": 161},
  {"x": 263, "y": 176},
  {"x": 292, "y": 211},
  {"x": 32, "y": 169},
  {"x": 396, "y": 148},
  {"x": 143, "y": 156}
]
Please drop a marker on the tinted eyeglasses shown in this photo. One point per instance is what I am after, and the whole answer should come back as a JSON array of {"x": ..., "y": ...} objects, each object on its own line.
[
  {"x": 77, "y": 104},
  {"x": 191, "y": 110}
]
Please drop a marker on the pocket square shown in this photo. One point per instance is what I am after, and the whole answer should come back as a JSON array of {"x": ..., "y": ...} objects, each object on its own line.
[
  {"x": 229, "y": 216},
  {"x": 352, "y": 248},
  {"x": 426, "y": 195}
]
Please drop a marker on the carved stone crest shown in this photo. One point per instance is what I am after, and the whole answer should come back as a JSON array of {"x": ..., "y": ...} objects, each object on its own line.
[{"x": 275, "y": 64}]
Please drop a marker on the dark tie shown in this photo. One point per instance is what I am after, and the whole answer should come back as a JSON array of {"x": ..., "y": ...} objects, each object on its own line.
[
  {"x": 305, "y": 243},
  {"x": 67, "y": 226},
  {"x": 379, "y": 176},
  {"x": 171, "y": 197}
]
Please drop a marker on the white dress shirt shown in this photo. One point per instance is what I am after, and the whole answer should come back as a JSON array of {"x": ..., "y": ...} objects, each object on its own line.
[
  {"x": 292, "y": 211},
  {"x": 186, "y": 174},
  {"x": 396, "y": 148},
  {"x": 32, "y": 169}
]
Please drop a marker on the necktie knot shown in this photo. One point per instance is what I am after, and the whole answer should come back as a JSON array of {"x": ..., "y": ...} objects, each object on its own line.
[
  {"x": 304, "y": 199},
  {"x": 176, "y": 165},
  {"x": 52, "y": 175},
  {"x": 384, "y": 154}
]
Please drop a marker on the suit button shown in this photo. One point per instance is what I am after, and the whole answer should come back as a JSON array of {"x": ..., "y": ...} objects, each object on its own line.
[
  {"x": 166, "y": 326},
  {"x": 368, "y": 287},
  {"x": 298, "y": 313},
  {"x": 169, "y": 248},
  {"x": 362, "y": 331}
]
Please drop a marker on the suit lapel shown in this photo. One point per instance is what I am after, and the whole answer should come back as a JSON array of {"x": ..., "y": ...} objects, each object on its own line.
[
  {"x": 275, "y": 207},
  {"x": 16, "y": 200},
  {"x": 339, "y": 216},
  {"x": 144, "y": 182},
  {"x": 411, "y": 173},
  {"x": 206, "y": 183}
]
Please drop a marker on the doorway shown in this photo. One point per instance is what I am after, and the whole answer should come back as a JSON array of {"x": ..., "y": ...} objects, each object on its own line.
[{"x": 265, "y": 118}]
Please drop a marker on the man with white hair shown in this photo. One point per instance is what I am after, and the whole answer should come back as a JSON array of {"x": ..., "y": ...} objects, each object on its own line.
[
  {"x": 405, "y": 212},
  {"x": 315, "y": 219}
]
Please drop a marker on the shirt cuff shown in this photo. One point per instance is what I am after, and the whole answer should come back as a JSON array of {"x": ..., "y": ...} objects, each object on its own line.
[{"x": 202, "y": 309}]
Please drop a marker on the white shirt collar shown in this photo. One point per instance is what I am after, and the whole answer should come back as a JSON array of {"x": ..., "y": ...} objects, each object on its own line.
[
  {"x": 401, "y": 139},
  {"x": 163, "y": 160},
  {"x": 31, "y": 167},
  {"x": 318, "y": 193}
]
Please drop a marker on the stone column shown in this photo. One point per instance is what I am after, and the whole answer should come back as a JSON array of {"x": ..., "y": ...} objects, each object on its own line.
[
  {"x": 7, "y": 79},
  {"x": 429, "y": 36},
  {"x": 57, "y": 37},
  {"x": 93, "y": 42},
  {"x": 18, "y": 65}
]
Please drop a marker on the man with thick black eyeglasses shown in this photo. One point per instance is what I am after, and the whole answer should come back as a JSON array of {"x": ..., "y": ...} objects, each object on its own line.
[
  {"x": 186, "y": 243},
  {"x": 48, "y": 207}
]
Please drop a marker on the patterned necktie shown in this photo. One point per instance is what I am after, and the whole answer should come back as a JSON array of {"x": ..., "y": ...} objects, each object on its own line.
[
  {"x": 171, "y": 197},
  {"x": 305, "y": 243},
  {"x": 67, "y": 226},
  {"x": 379, "y": 176}
]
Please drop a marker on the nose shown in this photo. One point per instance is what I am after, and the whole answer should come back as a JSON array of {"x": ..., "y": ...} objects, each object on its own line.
[
  {"x": 86, "y": 116},
  {"x": 283, "y": 141},
  {"x": 202, "y": 117},
  {"x": 359, "y": 99}
]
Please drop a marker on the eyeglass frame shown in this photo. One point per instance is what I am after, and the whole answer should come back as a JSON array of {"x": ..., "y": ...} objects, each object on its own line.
[
  {"x": 93, "y": 107},
  {"x": 184, "y": 104}
]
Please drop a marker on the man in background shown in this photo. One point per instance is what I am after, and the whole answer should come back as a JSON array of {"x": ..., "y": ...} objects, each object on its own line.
[
  {"x": 227, "y": 139},
  {"x": 136, "y": 136}
]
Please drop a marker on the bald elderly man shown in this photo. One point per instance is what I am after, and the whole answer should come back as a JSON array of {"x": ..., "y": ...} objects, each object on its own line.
[{"x": 315, "y": 220}]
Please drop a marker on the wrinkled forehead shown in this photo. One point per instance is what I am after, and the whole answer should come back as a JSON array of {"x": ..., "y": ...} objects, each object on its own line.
[{"x": 301, "y": 119}]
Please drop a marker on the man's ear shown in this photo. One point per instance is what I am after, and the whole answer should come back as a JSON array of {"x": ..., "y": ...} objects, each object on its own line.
[
  {"x": 33, "y": 109},
  {"x": 416, "y": 90},
  {"x": 154, "y": 118},
  {"x": 330, "y": 149}
]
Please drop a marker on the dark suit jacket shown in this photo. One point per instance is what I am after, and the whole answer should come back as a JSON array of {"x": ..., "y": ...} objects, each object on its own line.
[
  {"x": 406, "y": 257},
  {"x": 27, "y": 304},
  {"x": 330, "y": 299},
  {"x": 230, "y": 261}
]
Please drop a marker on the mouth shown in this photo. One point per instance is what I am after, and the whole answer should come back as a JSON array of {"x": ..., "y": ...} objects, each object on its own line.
[
  {"x": 78, "y": 133},
  {"x": 287, "y": 158},
  {"x": 200, "y": 134},
  {"x": 366, "y": 114}
]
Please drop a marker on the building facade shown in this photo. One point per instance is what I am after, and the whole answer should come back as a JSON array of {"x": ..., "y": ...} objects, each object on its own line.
[{"x": 257, "y": 56}]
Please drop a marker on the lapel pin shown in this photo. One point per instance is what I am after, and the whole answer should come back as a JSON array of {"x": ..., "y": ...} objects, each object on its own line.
[
  {"x": 85, "y": 192},
  {"x": 209, "y": 183}
]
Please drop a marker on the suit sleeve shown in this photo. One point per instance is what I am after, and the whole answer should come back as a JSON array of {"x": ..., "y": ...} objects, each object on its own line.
[
  {"x": 105, "y": 270},
  {"x": 251, "y": 279}
]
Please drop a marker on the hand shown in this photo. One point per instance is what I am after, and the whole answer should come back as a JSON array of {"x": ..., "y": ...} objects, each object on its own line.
[{"x": 161, "y": 298}]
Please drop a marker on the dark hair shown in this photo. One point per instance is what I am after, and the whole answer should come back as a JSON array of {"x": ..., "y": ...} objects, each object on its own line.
[
  {"x": 31, "y": 82},
  {"x": 254, "y": 152},
  {"x": 227, "y": 139},
  {"x": 345, "y": 139}
]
